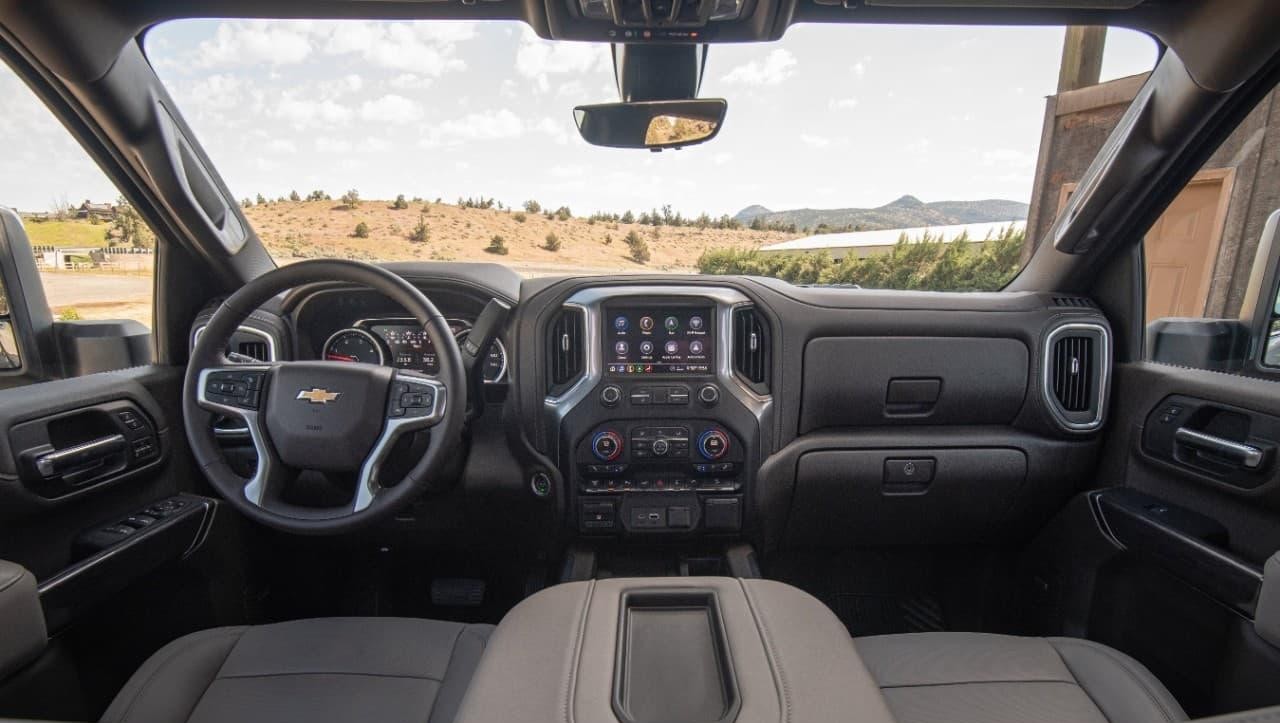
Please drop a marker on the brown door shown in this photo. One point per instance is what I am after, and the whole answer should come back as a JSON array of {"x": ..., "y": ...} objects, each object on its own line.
[{"x": 1182, "y": 246}]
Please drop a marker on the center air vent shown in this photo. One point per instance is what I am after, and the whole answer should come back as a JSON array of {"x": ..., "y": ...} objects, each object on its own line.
[
  {"x": 1076, "y": 374},
  {"x": 751, "y": 349},
  {"x": 566, "y": 349}
]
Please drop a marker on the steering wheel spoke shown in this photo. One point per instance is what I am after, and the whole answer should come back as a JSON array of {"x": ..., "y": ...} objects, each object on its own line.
[
  {"x": 415, "y": 402},
  {"x": 238, "y": 391}
]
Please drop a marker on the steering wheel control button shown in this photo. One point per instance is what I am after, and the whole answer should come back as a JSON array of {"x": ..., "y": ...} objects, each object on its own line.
[
  {"x": 235, "y": 388},
  {"x": 713, "y": 444},
  {"x": 607, "y": 446},
  {"x": 540, "y": 484},
  {"x": 611, "y": 395},
  {"x": 709, "y": 395}
]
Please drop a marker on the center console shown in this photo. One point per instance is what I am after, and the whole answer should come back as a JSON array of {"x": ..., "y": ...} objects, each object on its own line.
[
  {"x": 672, "y": 650},
  {"x": 659, "y": 435}
]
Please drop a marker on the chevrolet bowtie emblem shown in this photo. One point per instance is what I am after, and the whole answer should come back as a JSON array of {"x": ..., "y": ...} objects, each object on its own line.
[{"x": 316, "y": 395}]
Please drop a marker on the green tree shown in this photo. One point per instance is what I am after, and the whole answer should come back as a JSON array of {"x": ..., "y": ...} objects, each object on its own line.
[
  {"x": 638, "y": 246},
  {"x": 532, "y": 206},
  {"x": 497, "y": 245},
  {"x": 362, "y": 230},
  {"x": 628, "y": 217},
  {"x": 293, "y": 196},
  {"x": 400, "y": 203},
  {"x": 421, "y": 233},
  {"x": 128, "y": 228},
  {"x": 351, "y": 198}
]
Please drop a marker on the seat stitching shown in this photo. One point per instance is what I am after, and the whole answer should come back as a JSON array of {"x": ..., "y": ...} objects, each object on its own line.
[
  {"x": 162, "y": 664},
  {"x": 1123, "y": 665},
  {"x": 981, "y": 682},
  {"x": 453, "y": 651},
  {"x": 775, "y": 660},
  {"x": 575, "y": 661}
]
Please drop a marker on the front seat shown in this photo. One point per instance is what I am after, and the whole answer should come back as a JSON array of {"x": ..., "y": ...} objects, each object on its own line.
[
  {"x": 307, "y": 671},
  {"x": 982, "y": 678}
]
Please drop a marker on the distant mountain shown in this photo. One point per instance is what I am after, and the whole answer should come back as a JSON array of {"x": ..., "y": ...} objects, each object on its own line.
[{"x": 905, "y": 212}]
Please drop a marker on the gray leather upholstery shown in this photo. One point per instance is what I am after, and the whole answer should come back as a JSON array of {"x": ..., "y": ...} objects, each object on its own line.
[
  {"x": 22, "y": 631},
  {"x": 312, "y": 671},
  {"x": 552, "y": 659},
  {"x": 967, "y": 677},
  {"x": 1266, "y": 618}
]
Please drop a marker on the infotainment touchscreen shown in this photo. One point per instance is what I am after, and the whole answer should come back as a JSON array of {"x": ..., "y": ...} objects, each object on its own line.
[{"x": 658, "y": 340}]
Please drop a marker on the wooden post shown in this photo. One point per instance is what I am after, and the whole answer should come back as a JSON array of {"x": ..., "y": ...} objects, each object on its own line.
[{"x": 1081, "y": 56}]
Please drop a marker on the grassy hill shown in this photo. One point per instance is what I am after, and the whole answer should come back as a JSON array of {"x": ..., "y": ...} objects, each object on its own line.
[{"x": 306, "y": 229}]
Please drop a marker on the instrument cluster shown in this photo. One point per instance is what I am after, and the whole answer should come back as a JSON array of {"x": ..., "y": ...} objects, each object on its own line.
[{"x": 402, "y": 343}]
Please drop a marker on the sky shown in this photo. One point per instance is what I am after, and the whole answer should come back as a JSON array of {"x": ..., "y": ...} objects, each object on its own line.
[{"x": 830, "y": 116}]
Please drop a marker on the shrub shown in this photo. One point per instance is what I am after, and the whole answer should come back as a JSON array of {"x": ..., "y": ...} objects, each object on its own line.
[
  {"x": 563, "y": 213},
  {"x": 400, "y": 203},
  {"x": 362, "y": 230},
  {"x": 351, "y": 198},
  {"x": 247, "y": 202},
  {"x": 925, "y": 263},
  {"x": 639, "y": 248},
  {"x": 318, "y": 195},
  {"x": 69, "y": 314},
  {"x": 553, "y": 242},
  {"x": 293, "y": 196},
  {"x": 497, "y": 245},
  {"x": 261, "y": 199},
  {"x": 532, "y": 207},
  {"x": 608, "y": 239},
  {"x": 421, "y": 233},
  {"x": 520, "y": 217},
  {"x": 628, "y": 217},
  {"x": 128, "y": 228}
]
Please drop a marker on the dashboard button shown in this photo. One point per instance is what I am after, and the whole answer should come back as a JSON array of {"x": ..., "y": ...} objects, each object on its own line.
[{"x": 660, "y": 447}]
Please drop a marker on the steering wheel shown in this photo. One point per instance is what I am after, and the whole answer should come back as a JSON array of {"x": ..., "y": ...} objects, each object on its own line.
[{"x": 336, "y": 417}]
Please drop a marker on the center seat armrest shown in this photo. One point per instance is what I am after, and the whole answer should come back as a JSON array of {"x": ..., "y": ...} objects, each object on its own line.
[{"x": 679, "y": 650}]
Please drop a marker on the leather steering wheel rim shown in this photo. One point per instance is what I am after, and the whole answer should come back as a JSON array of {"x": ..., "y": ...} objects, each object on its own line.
[{"x": 448, "y": 410}]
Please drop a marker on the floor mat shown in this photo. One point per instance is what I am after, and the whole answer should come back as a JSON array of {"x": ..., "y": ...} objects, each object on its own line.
[{"x": 867, "y": 614}]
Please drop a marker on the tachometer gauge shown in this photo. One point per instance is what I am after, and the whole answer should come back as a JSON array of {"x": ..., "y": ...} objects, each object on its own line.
[
  {"x": 354, "y": 345},
  {"x": 494, "y": 368}
]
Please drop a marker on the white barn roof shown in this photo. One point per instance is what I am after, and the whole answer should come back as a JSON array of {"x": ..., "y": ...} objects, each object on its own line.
[{"x": 889, "y": 236}]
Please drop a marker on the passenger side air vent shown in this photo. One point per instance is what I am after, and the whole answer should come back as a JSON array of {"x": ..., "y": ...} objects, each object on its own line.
[
  {"x": 751, "y": 349},
  {"x": 1076, "y": 373},
  {"x": 567, "y": 350}
]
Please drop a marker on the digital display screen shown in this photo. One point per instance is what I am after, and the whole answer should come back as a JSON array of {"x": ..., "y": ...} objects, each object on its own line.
[
  {"x": 408, "y": 347},
  {"x": 659, "y": 340}
]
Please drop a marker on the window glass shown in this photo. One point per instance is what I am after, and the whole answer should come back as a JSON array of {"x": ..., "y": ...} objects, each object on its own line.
[
  {"x": 96, "y": 257},
  {"x": 876, "y": 156}
]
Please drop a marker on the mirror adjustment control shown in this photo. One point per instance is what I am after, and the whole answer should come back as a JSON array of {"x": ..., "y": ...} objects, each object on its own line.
[
  {"x": 611, "y": 395},
  {"x": 607, "y": 445},
  {"x": 713, "y": 444}
]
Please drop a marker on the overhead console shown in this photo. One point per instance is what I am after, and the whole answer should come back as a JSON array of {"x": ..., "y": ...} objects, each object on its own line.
[
  {"x": 653, "y": 408},
  {"x": 664, "y": 21}
]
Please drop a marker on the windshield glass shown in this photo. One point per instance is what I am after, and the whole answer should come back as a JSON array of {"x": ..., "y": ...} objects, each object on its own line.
[{"x": 887, "y": 157}]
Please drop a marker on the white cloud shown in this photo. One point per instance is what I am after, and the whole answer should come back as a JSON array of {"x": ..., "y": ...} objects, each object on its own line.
[
  {"x": 374, "y": 145},
  {"x": 499, "y": 125},
  {"x": 281, "y": 145},
  {"x": 814, "y": 141},
  {"x": 919, "y": 145},
  {"x": 410, "y": 81},
  {"x": 722, "y": 158},
  {"x": 1007, "y": 157},
  {"x": 776, "y": 67},
  {"x": 539, "y": 59},
  {"x": 859, "y": 69},
  {"x": 423, "y": 48},
  {"x": 253, "y": 43},
  {"x": 843, "y": 103},
  {"x": 324, "y": 144},
  {"x": 557, "y": 131},
  {"x": 304, "y": 113},
  {"x": 391, "y": 108}
]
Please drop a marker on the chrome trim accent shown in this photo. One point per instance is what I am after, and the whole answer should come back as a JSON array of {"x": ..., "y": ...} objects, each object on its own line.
[
  {"x": 271, "y": 340},
  {"x": 367, "y": 486},
  {"x": 253, "y": 489},
  {"x": 373, "y": 339},
  {"x": 1104, "y": 375},
  {"x": 1249, "y": 456},
  {"x": 46, "y": 464},
  {"x": 590, "y": 301}
]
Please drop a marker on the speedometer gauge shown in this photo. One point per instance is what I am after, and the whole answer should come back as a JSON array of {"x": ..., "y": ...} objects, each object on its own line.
[{"x": 353, "y": 345}]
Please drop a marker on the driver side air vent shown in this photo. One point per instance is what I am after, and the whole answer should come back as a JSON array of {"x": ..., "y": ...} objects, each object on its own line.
[
  {"x": 1076, "y": 374},
  {"x": 566, "y": 349},
  {"x": 751, "y": 349}
]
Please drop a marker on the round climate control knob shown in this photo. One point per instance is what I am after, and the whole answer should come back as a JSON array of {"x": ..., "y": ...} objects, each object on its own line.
[
  {"x": 607, "y": 446},
  {"x": 660, "y": 447},
  {"x": 713, "y": 444}
]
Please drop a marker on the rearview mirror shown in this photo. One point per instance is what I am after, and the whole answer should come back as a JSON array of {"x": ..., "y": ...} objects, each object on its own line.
[{"x": 654, "y": 124}]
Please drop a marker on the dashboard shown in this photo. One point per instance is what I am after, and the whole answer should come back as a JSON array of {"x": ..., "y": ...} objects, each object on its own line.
[{"x": 402, "y": 343}]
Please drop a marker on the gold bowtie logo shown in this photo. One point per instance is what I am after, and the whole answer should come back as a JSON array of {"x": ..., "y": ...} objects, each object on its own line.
[{"x": 316, "y": 395}]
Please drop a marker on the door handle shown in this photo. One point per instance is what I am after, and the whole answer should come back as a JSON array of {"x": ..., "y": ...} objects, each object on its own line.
[
  {"x": 1244, "y": 455},
  {"x": 73, "y": 459}
]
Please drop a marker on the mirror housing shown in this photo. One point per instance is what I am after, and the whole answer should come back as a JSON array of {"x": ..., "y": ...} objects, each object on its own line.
[{"x": 655, "y": 124}]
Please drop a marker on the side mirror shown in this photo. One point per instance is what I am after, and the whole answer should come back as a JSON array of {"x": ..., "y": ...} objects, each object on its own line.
[{"x": 654, "y": 124}]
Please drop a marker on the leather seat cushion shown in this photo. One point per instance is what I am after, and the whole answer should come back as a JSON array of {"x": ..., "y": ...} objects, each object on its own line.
[
  {"x": 978, "y": 678},
  {"x": 326, "y": 669}
]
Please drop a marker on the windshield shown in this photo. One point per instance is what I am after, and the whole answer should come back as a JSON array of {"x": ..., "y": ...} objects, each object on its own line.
[{"x": 889, "y": 157}]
